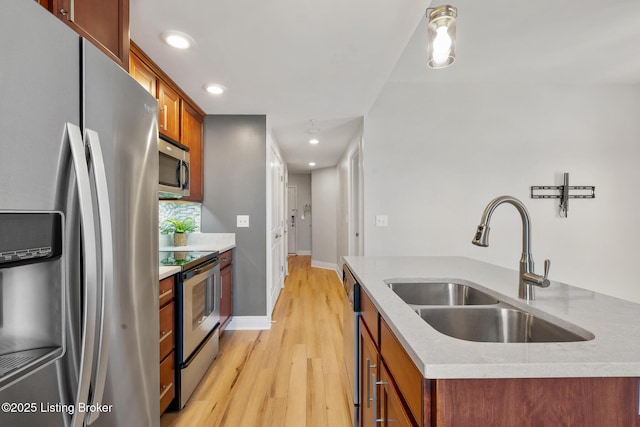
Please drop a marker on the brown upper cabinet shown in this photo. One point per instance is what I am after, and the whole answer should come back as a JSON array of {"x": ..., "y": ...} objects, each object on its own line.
[
  {"x": 143, "y": 74},
  {"x": 191, "y": 135},
  {"x": 179, "y": 118},
  {"x": 104, "y": 23},
  {"x": 168, "y": 111}
]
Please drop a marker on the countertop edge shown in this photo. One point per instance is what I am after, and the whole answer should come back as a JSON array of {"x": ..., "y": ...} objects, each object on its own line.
[
  {"x": 168, "y": 271},
  {"x": 465, "y": 359},
  {"x": 199, "y": 248}
]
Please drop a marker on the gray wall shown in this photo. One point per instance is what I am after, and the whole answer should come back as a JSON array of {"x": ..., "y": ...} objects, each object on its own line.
[
  {"x": 302, "y": 182},
  {"x": 435, "y": 155},
  {"x": 324, "y": 245},
  {"x": 235, "y": 184}
]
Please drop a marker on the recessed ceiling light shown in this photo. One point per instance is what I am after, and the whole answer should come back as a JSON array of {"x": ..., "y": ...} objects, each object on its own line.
[
  {"x": 313, "y": 141},
  {"x": 312, "y": 163},
  {"x": 215, "y": 89},
  {"x": 177, "y": 39}
]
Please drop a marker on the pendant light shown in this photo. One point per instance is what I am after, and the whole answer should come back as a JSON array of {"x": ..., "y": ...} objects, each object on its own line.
[{"x": 441, "y": 36}]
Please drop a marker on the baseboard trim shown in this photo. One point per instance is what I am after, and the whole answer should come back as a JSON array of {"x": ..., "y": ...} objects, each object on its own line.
[
  {"x": 305, "y": 253},
  {"x": 249, "y": 323},
  {"x": 327, "y": 266}
]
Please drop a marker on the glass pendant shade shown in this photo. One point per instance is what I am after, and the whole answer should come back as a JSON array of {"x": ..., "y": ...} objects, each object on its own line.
[{"x": 441, "y": 36}]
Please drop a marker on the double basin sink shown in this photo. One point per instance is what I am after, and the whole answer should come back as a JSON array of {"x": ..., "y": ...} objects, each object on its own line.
[{"x": 464, "y": 312}]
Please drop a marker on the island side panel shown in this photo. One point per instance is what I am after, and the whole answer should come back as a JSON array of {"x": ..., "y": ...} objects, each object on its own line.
[{"x": 534, "y": 402}]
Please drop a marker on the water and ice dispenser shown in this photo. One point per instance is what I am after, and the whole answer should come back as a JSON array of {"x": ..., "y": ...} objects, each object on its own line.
[{"x": 32, "y": 289}]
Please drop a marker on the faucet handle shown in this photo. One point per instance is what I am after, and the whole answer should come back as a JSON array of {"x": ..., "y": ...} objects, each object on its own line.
[{"x": 545, "y": 280}]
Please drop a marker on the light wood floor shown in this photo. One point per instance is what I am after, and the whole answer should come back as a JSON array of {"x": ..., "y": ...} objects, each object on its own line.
[{"x": 291, "y": 375}]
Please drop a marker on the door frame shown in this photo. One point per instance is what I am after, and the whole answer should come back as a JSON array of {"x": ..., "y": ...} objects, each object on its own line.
[
  {"x": 288, "y": 228},
  {"x": 355, "y": 224}
]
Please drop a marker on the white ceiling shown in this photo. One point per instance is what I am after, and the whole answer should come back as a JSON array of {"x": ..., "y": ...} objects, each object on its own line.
[
  {"x": 293, "y": 60},
  {"x": 550, "y": 41},
  {"x": 327, "y": 60}
]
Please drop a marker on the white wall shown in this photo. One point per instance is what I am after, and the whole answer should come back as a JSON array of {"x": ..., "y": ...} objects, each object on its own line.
[
  {"x": 436, "y": 155},
  {"x": 324, "y": 251},
  {"x": 302, "y": 182}
]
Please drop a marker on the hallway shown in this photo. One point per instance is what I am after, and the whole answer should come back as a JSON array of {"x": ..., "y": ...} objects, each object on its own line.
[{"x": 291, "y": 375}]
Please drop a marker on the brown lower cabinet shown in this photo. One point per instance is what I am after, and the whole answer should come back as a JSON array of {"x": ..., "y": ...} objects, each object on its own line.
[
  {"x": 226, "y": 296},
  {"x": 534, "y": 402},
  {"x": 369, "y": 374},
  {"x": 394, "y": 392},
  {"x": 167, "y": 342},
  {"x": 392, "y": 409},
  {"x": 167, "y": 387}
]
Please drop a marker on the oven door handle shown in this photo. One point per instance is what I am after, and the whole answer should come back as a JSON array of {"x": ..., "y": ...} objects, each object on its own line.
[{"x": 201, "y": 269}]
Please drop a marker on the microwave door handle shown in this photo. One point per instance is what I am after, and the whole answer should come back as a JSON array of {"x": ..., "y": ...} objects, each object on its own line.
[
  {"x": 185, "y": 180},
  {"x": 179, "y": 174},
  {"x": 90, "y": 273},
  {"x": 106, "y": 281}
]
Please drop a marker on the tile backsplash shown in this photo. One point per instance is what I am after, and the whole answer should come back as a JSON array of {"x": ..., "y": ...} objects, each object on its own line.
[{"x": 180, "y": 210}]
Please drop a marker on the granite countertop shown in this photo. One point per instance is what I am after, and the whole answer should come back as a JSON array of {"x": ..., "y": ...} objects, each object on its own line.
[
  {"x": 220, "y": 242},
  {"x": 166, "y": 271},
  {"x": 615, "y": 350}
]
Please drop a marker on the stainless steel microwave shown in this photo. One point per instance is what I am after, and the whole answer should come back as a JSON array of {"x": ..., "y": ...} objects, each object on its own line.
[{"x": 173, "y": 168}]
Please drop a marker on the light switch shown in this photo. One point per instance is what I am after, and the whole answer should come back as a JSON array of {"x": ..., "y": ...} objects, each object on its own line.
[
  {"x": 243, "y": 221},
  {"x": 382, "y": 221}
]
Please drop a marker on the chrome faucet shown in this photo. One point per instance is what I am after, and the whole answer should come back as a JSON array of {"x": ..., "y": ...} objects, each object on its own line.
[{"x": 528, "y": 279}]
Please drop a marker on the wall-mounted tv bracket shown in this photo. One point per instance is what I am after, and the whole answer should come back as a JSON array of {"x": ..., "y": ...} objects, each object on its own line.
[{"x": 550, "y": 192}]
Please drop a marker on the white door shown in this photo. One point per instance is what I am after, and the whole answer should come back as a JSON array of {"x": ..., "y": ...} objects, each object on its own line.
[
  {"x": 292, "y": 210},
  {"x": 277, "y": 227}
]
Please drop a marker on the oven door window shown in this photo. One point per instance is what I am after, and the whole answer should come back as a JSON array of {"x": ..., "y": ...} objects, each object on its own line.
[
  {"x": 169, "y": 171},
  {"x": 202, "y": 299}
]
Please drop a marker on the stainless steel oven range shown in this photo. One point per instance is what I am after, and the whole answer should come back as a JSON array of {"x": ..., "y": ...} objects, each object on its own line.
[{"x": 197, "y": 317}]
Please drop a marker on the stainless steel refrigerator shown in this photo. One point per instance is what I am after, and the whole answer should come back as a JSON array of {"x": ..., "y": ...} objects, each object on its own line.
[{"x": 78, "y": 231}]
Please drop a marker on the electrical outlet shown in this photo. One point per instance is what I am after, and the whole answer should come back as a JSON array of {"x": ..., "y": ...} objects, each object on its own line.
[
  {"x": 382, "y": 220},
  {"x": 242, "y": 221}
]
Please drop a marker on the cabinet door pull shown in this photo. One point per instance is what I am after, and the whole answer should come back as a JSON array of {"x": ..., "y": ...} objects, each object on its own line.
[
  {"x": 166, "y": 293},
  {"x": 164, "y": 124},
  {"x": 368, "y": 382},
  {"x": 69, "y": 11},
  {"x": 165, "y": 390},
  {"x": 369, "y": 367},
  {"x": 375, "y": 401},
  {"x": 164, "y": 335},
  {"x": 164, "y": 116}
]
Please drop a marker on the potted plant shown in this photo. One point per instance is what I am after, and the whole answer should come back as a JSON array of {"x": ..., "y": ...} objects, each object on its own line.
[{"x": 179, "y": 228}]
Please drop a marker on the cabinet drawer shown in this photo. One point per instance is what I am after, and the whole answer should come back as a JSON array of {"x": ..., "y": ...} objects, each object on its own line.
[
  {"x": 167, "y": 388},
  {"x": 392, "y": 410},
  {"x": 166, "y": 290},
  {"x": 369, "y": 315},
  {"x": 402, "y": 369},
  {"x": 167, "y": 335},
  {"x": 226, "y": 258}
]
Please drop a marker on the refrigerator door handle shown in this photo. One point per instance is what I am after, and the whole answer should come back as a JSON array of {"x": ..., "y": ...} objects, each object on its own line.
[
  {"x": 90, "y": 270},
  {"x": 106, "y": 281}
]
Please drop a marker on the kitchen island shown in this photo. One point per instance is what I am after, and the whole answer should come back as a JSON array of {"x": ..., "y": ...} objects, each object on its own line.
[{"x": 494, "y": 383}]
